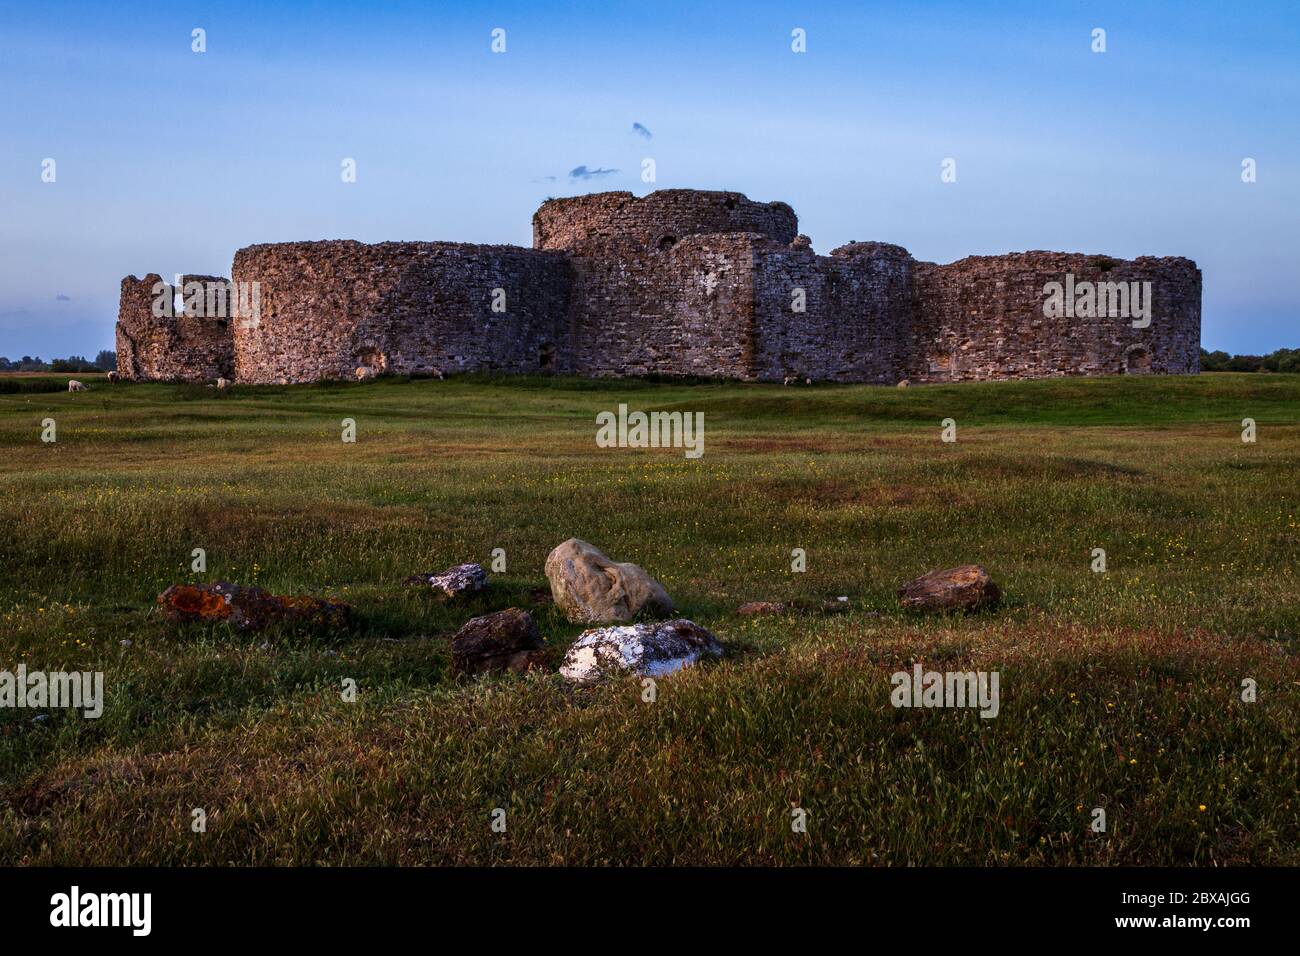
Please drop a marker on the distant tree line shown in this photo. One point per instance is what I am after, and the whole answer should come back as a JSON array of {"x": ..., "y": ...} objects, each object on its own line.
[
  {"x": 105, "y": 361},
  {"x": 1283, "y": 360}
]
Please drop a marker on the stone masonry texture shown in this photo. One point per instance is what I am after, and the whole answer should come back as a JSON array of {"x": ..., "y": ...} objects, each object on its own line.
[{"x": 678, "y": 283}]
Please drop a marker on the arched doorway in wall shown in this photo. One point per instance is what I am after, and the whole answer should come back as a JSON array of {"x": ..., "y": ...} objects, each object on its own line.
[
  {"x": 1137, "y": 360},
  {"x": 372, "y": 358}
]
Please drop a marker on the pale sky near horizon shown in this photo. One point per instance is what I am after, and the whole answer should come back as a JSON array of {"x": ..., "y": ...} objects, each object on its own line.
[{"x": 170, "y": 160}]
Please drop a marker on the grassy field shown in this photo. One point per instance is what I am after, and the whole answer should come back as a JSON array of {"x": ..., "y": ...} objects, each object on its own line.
[{"x": 1120, "y": 690}]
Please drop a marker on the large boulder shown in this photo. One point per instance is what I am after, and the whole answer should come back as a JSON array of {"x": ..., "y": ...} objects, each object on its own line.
[
  {"x": 592, "y": 589},
  {"x": 460, "y": 581},
  {"x": 954, "y": 589},
  {"x": 247, "y": 608},
  {"x": 649, "y": 649},
  {"x": 505, "y": 641}
]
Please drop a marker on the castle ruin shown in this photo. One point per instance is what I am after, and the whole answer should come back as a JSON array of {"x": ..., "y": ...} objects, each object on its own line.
[{"x": 679, "y": 282}]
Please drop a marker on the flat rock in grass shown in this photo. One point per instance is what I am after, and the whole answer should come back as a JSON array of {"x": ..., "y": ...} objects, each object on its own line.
[
  {"x": 754, "y": 608},
  {"x": 505, "y": 641},
  {"x": 591, "y": 589},
  {"x": 954, "y": 589},
  {"x": 247, "y": 608},
  {"x": 460, "y": 581},
  {"x": 835, "y": 606},
  {"x": 650, "y": 650}
]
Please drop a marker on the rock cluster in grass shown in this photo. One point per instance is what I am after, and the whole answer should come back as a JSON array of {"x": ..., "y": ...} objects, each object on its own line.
[
  {"x": 592, "y": 589},
  {"x": 586, "y": 586},
  {"x": 966, "y": 588},
  {"x": 247, "y": 608}
]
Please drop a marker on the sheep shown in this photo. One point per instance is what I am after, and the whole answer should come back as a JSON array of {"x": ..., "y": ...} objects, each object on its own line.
[
  {"x": 223, "y": 384},
  {"x": 113, "y": 378},
  {"x": 364, "y": 373},
  {"x": 75, "y": 386}
]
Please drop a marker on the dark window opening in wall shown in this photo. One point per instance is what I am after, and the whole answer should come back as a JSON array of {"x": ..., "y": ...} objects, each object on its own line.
[
  {"x": 667, "y": 242},
  {"x": 546, "y": 357},
  {"x": 1137, "y": 361},
  {"x": 372, "y": 358}
]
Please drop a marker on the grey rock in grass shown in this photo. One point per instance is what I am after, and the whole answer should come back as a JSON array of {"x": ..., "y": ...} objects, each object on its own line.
[
  {"x": 507, "y": 640},
  {"x": 591, "y": 589},
  {"x": 650, "y": 649},
  {"x": 460, "y": 581},
  {"x": 954, "y": 589}
]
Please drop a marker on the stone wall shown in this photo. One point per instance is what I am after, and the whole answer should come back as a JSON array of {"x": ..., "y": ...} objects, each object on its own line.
[
  {"x": 856, "y": 317},
  {"x": 679, "y": 282},
  {"x": 183, "y": 347},
  {"x": 983, "y": 318},
  {"x": 328, "y": 308},
  {"x": 684, "y": 310}
]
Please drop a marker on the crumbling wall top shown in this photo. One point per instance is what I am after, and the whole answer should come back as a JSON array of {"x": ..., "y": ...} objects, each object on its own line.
[{"x": 598, "y": 222}]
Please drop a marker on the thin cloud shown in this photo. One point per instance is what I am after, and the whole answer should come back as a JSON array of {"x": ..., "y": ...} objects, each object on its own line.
[
  {"x": 583, "y": 172},
  {"x": 62, "y": 298}
]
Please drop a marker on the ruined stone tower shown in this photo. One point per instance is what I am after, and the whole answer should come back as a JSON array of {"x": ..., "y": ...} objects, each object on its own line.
[{"x": 679, "y": 282}]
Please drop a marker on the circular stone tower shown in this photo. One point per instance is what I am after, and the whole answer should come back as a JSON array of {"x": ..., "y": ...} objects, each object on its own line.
[{"x": 606, "y": 222}]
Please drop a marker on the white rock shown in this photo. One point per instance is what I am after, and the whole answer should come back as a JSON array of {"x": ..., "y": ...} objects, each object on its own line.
[
  {"x": 463, "y": 579},
  {"x": 649, "y": 650}
]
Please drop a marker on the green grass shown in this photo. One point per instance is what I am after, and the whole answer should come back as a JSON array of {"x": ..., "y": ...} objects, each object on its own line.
[{"x": 1119, "y": 690}]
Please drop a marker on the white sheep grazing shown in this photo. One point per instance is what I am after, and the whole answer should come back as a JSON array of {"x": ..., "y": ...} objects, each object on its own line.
[
  {"x": 223, "y": 383},
  {"x": 113, "y": 377},
  {"x": 75, "y": 386},
  {"x": 364, "y": 373}
]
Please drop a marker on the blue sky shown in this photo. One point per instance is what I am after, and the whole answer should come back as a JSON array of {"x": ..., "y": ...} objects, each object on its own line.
[{"x": 168, "y": 160}]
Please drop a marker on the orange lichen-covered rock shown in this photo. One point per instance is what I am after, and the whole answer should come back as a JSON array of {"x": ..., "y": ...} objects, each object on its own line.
[{"x": 247, "y": 608}]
